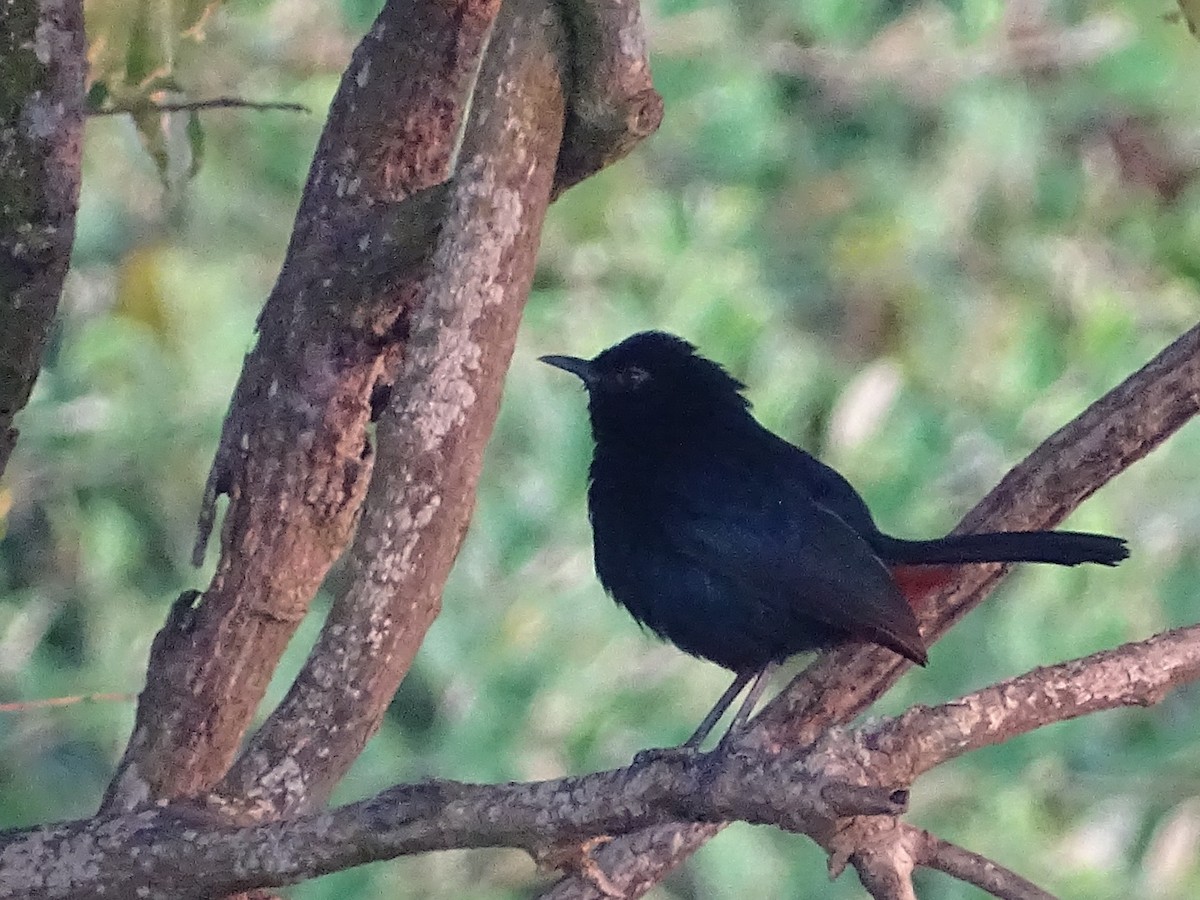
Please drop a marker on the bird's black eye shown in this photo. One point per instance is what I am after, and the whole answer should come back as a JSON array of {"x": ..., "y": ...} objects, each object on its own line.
[{"x": 633, "y": 377}]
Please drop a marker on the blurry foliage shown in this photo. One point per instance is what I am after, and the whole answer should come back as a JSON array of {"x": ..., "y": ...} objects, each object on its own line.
[
  {"x": 134, "y": 48},
  {"x": 920, "y": 275}
]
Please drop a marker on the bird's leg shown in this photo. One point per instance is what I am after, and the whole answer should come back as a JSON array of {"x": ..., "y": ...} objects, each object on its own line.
[
  {"x": 692, "y": 744},
  {"x": 714, "y": 714},
  {"x": 761, "y": 679}
]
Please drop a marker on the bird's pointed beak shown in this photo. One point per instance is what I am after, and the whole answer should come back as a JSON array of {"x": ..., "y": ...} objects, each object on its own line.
[{"x": 581, "y": 368}]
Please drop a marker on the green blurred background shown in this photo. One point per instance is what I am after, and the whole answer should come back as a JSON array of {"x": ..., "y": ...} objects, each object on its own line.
[{"x": 923, "y": 249}]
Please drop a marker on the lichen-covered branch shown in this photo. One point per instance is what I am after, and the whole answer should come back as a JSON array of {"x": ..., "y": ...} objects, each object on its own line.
[
  {"x": 934, "y": 853},
  {"x": 1135, "y": 674},
  {"x": 294, "y": 456},
  {"x": 846, "y": 791},
  {"x": 189, "y": 850},
  {"x": 432, "y": 437},
  {"x": 42, "y": 66}
]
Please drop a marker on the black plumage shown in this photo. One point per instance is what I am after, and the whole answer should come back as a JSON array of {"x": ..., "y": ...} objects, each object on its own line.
[{"x": 737, "y": 546}]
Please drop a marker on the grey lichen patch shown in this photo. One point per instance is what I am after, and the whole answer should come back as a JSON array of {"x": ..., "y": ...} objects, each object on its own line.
[
  {"x": 509, "y": 213},
  {"x": 451, "y": 396},
  {"x": 131, "y": 787},
  {"x": 408, "y": 523},
  {"x": 43, "y": 117},
  {"x": 24, "y": 862},
  {"x": 283, "y": 783},
  {"x": 46, "y": 36},
  {"x": 76, "y": 861},
  {"x": 378, "y": 628},
  {"x": 483, "y": 226}
]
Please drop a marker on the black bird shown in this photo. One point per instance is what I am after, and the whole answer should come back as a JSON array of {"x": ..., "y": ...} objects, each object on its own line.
[{"x": 739, "y": 547}]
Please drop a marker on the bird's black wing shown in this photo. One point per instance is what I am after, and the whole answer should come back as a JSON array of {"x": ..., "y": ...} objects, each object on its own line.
[{"x": 773, "y": 542}]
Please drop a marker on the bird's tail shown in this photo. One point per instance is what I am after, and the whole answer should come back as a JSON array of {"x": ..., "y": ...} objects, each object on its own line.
[{"x": 1063, "y": 548}]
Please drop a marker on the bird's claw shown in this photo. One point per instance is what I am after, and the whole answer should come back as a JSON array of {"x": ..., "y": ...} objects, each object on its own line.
[{"x": 665, "y": 754}]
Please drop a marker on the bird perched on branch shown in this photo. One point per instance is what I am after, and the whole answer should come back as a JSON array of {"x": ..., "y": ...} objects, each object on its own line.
[{"x": 737, "y": 546}]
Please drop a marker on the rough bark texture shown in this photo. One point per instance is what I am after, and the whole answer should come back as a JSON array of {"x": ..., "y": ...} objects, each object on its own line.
[
  {"x": 42, "y": 65},
  {"x": 972, "y": 868},
  {"x": 294, "y": 456},
  {"x": 845, "y": 792},
  {"x": 433, "y": 435}
]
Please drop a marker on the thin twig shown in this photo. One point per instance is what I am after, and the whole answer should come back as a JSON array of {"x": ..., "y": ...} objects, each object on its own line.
[
  {"x": 198, "y": 105},
  {"x": 935, "y": 853},
  {"x": 48, "y": 702}
]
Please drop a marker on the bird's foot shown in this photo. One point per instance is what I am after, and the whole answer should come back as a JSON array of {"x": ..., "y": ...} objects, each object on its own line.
[
  {"x": 665, "y": 754},
  {"x": 731, "y": 740}
]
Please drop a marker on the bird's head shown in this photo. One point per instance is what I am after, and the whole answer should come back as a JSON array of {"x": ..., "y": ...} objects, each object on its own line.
[{"x": 653, "y": 383}]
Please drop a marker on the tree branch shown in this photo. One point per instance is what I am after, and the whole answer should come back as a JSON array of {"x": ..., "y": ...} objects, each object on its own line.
[
  {"x": 898, "y": 750},
  {"x": 1135, "y": 674},
  {"x": 432, "y": 437},
  {"x": 189, "y": 849},
  {"x": 613, "y": 104},
  {"x": 294, "y": 456},
  {"x": 935, "y": 853},
  {"x": 845, "y": 791},
  {"x": 41, "y": 137},
  {"x": 199, "y": 106}
]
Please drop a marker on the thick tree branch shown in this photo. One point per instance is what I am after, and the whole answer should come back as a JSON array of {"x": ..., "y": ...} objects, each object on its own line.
[
  {"x": 42, "y": 65},
  {"x": 1112, "y": 434},
  {"x": 845, "y": 791},
  {"x": 294, "y": 456},
  {"x": 183, "y": 848},
  {"x": 432, "y": 437}
]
